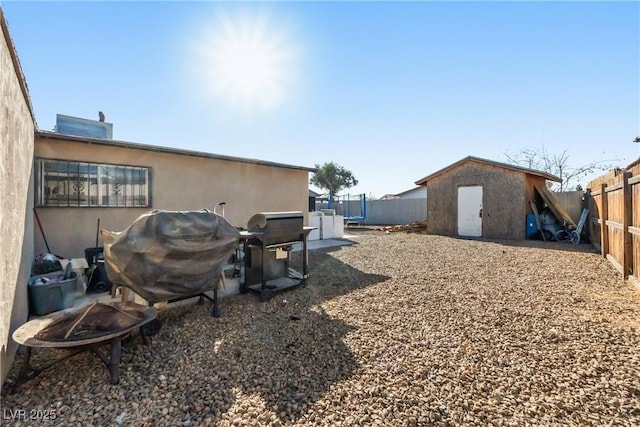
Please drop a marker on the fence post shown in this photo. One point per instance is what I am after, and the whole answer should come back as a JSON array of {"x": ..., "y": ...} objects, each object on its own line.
[
  {"x": 627, "y": 264},
  {"x": 604, "y": 215}
]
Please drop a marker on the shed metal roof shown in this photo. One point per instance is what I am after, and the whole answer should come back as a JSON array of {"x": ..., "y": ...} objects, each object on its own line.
[
  {"x": 467, "y": 159},
  {"x": 409, "y": 191},
  {"x": 169, "y": 150}
]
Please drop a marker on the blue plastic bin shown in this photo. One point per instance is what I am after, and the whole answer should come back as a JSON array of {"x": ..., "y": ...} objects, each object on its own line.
[
  {"x": 49, "y": 297},
  {"x": 532, "y": 227}
]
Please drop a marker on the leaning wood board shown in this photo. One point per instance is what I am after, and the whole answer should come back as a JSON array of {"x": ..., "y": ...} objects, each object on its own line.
[{"x": 555, "y": 206}]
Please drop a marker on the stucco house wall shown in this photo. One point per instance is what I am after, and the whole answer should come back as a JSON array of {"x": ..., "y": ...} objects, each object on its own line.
[
  {"x": 507, "y": 190},
  {"x": 17, "y": 128},
  {"x": 180, "y": 180}
]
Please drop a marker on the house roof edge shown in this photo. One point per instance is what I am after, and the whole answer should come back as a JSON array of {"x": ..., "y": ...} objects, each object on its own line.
[
  {"x": 542, "y": 174},
  {"x": 169, "y": 150}
]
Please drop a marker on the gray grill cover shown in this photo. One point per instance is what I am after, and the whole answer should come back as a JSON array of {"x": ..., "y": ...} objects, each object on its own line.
[{"x": 166, "y": 255}]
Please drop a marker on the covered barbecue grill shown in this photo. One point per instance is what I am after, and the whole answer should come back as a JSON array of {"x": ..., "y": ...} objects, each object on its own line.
[
  {"x": 171, "y": 255},
  {"x": 268, "y": 242}
]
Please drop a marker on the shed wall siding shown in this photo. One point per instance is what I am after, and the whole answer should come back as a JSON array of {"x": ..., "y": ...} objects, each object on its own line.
[
  {"x": 504, "y": 204},
  {"x": 178, "y": 182}
]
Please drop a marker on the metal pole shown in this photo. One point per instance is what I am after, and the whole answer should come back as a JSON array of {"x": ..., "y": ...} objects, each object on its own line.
[
  {"x": 97, "y": 231},
  {"x": 41, "y": 230},
  {"x": 364, "y": 206},
  {"x": 114, "y": 363}
]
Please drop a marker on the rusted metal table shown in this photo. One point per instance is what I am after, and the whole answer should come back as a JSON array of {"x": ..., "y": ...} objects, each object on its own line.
[{"x": 77, "y": 331}]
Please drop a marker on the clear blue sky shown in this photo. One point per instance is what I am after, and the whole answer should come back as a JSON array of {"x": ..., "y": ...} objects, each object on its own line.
[{"x": 391, "y": 91}]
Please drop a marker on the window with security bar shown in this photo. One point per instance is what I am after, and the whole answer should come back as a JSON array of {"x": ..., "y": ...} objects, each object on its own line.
[{"x": 83, "y": 184}]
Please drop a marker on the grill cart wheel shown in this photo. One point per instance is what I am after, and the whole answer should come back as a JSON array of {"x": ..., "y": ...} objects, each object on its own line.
[
  {"x": 266, "y": 295},
  {"x": 152, "y": 328}
]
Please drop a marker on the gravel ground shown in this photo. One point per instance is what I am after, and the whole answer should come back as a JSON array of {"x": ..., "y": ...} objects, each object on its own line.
[{"x": 398, "y": 329}]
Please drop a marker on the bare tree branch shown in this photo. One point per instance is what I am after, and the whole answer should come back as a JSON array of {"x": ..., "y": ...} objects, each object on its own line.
[{"x": 558, "y": 165}]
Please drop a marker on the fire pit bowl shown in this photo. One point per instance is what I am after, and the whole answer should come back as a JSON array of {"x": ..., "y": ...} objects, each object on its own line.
[{"x": 84, "y": 328}]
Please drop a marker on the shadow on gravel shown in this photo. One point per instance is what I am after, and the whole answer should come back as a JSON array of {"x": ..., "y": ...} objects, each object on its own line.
[
  {"x": 293, "y": 351},
  {"x": 330, "y": 277},
  {"x": 290, "y": 360},
  {"x": 284, "y": 354},
  {"x": 553, "y": 245}
]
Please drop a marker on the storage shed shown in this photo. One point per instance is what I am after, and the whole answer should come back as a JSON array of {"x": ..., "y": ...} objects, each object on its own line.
[{"x": 476, "y": 197}]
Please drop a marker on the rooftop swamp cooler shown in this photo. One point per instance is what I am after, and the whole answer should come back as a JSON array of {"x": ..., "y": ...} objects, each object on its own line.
[{"x": 267, "y": 247}]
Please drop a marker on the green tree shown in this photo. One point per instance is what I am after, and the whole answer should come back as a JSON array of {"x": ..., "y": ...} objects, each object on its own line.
[{"x": 333, "y": 178}]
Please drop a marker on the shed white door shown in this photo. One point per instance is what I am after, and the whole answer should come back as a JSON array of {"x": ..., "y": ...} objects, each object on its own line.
[{"x": 470, "y": 211}]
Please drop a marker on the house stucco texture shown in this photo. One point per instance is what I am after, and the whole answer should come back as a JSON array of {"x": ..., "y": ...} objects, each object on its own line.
[
  {"x": 17, "y": 128},
  {"x": 178, "y": 180}
]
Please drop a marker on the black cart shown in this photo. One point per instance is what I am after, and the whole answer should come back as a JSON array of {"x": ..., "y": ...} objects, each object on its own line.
[{"x": 267, "y": 247}]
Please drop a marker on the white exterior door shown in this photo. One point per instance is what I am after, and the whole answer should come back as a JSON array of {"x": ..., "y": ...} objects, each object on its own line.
[{"x": 470, "y": 211}]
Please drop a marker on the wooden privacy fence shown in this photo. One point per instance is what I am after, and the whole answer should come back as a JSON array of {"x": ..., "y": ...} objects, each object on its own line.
[{"x": 614, "y": 208}]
